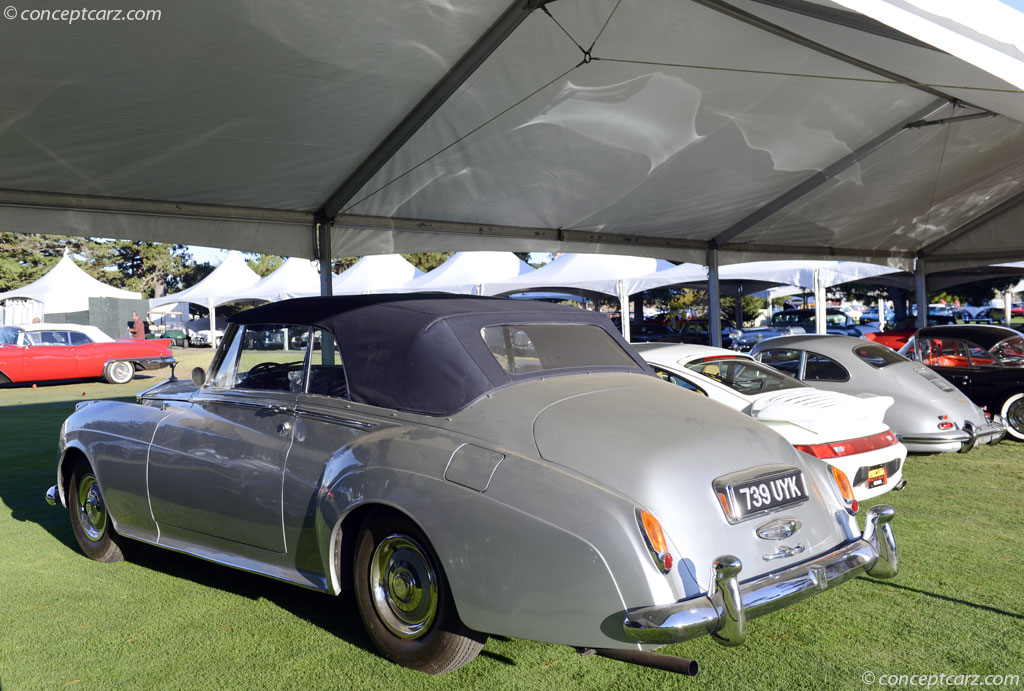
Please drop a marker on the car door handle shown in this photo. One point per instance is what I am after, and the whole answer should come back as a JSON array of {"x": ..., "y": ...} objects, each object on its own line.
[{"x": 284, "y": 428}]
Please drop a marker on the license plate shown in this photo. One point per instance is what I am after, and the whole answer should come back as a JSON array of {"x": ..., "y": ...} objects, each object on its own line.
[
  {"x": 767, "y": 492},
  {"x": 877, "y": 476}
]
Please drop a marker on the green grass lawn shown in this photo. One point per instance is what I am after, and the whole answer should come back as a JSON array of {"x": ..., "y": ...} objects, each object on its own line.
[{"x": 165, "y": 620}]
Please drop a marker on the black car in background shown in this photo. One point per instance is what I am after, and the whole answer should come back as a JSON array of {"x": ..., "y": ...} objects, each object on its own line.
[
  {"x": 796, "y": 321},
  {"x": 985, "y": 362}
]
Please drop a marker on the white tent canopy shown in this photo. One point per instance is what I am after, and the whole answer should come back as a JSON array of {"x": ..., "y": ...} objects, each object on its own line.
[
  {"x": 373, "y": 273},
  {"x": 67, "y": 288},
  {"x": 596, "y": 273},
  {"x": 296, "y": 277},
  {"x": 230, "y": 276},
  {"x": 469, "y": 273},
  {"x": 750, "y": 129}
]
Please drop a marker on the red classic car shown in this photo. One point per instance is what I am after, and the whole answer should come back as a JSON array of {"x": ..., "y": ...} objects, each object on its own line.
[
  {"x": 45, "y": 352},
  {"x": 898, "y": 333}
]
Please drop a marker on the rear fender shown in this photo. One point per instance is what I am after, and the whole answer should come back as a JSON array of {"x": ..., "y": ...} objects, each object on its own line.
[{"x": 512, "y": 570}]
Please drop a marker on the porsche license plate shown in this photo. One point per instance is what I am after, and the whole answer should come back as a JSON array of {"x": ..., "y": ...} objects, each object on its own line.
[
  {"x": 767, "y": 492},
  {"x": 877, "y": 476}
]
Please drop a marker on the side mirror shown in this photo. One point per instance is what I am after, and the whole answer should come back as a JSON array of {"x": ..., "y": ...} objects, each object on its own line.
[{"x": 198, "y": 376}]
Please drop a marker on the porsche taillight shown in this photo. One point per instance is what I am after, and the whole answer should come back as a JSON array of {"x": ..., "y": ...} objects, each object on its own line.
[{"x": 849, "y": 447}]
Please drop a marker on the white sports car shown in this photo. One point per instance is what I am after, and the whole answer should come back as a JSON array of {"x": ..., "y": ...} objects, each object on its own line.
[{"x": 846, "y": 432}]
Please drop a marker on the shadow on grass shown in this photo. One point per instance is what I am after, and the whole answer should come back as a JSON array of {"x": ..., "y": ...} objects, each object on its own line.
[
  {"x": 947, "y": 598},
  {"x": 336, "y": 615}
]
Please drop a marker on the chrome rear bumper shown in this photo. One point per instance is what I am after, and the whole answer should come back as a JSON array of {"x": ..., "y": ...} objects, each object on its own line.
[
  {"x": 962, "y": 440},
  {"x": 723, "y": 612}
]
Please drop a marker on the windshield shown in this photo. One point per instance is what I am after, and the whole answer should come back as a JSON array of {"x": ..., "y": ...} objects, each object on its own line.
[
  {"x": 1010, "y": 351},
  {"x": 743, "y": 375},
  {"x": 792, "y": 318}
]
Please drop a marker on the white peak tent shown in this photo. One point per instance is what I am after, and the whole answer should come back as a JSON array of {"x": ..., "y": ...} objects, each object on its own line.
[
  {"x": 469, "y": 273},
  {"x": 67, "y": 288},
  {"x": 595, "y": 273},
  {"x": 296, "y": 277},
  {"x": 231, "y": 275},
  {"x": 375, "y": 273}
]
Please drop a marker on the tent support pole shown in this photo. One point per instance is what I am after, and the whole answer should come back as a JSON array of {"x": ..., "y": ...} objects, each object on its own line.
[
  {"x": 714, "y": 299},
  {"x": 623, "y": 309},
  {"x": 213, "y": 321},
  {"x": 819, "y": 304},
  {"x": 1007, "y": 308},
  {"x": 739, "y": 306},
  {"x": 323, "y": 255},
  {"x": 921, "y": 292}
]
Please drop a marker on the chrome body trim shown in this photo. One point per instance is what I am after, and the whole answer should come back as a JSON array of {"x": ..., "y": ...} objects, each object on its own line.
[
  {"x": 962, "y": 440},
  {"x": 723, "y": 611},
  {"x": 337, "y": 420},
  {"x": 146, "y": 363}
]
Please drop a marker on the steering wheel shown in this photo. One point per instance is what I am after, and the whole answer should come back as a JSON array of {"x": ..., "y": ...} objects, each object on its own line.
[{"x": 265, "y": 373}]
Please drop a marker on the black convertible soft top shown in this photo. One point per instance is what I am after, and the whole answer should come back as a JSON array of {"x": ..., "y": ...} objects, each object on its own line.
[{"x": 424, "y": 352}]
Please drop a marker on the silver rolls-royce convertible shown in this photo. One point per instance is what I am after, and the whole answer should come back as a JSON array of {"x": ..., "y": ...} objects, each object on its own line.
[{"x": 468, "y": 466}]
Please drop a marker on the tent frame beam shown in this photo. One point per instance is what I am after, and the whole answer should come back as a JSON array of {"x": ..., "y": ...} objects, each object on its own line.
[
  {"x": 846, "y": 19},
  {"x": 428, "y": 105},
  {"x": 752, "y": 19},
  {"x": 821, "y": 177},
  {"x": 151, "y": 207}
]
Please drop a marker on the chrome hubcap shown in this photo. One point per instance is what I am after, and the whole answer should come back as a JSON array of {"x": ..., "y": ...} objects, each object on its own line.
[
  {"x": 404, "y": 586},
  {"x": 92, "y": 515},
  {"x": 1015, "y": 415}
]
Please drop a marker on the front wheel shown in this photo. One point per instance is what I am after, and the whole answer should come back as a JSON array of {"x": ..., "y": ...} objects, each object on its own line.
[
  {"x": 1012, "y": 411},
  {"x": 119, "y": 372},
  {"x": 404, "y": 600},
  {"x": 90, "y": 521}
]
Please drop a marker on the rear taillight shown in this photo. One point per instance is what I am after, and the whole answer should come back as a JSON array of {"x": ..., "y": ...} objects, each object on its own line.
[
  {"x": 845, "y": 489},
  {"x": 849, "y": 447},
  {"x": 655, "y": 538}
]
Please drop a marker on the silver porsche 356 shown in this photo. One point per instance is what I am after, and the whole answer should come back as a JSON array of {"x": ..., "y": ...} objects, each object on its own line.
[{"x": 468, "y": 466}]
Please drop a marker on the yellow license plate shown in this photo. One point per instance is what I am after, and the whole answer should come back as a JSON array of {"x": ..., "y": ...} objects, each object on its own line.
[{"x": 876, "y": 476}]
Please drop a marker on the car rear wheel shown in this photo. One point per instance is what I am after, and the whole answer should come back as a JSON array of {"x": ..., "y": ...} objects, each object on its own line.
[
  {"x": 90, "y": 521},
  {"x": 404, "y": 599},
  {"x": 1012, "y": 411},
  {"x": 118, "y": 372}
]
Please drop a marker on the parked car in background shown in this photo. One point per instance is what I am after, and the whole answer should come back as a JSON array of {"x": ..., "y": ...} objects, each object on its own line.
[
  {"x": 469, "y": 466},
  {"x": 642, "y": 332},
  {"x": 843, "y": 431},
  {"x": 902, "y": 329},
  {"x": 870, "y": 316},
  {"x": 49, "y": 352},
  {"x": 985, "y": 362},
  {"x": 930, "y": 415},
  {"x": 795, "y": 321},
  {"x": 698, "y": 332}
]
